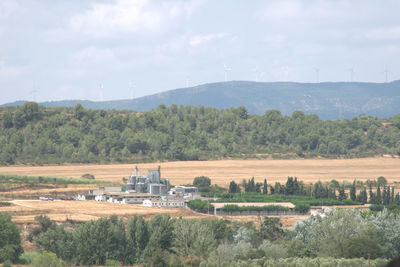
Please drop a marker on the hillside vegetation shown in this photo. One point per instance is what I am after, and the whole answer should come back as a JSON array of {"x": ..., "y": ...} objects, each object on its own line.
[
  {"x": 35, "y": 134},
  {"x": 329, "y": 100}
]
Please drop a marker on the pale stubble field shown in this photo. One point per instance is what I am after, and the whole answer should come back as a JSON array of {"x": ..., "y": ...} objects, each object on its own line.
[{"x": 222, "y": 172}]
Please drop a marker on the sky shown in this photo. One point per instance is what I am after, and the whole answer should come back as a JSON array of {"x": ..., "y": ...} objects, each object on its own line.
[{"x": 120, "y": 49}]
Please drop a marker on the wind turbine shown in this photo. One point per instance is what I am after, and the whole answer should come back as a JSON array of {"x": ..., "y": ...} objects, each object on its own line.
[
  {"x": 317, "y": 74},
  {"x": 187, "y": 82},
  {"x": 386, "y": 72},
  {"x": 226, "y": 69},
  {"x": 257, "y": 73},
  {"x": 131, "y": 88},
  {"x": 351, "y": 70},
  {"x": 101, "y": 92},
  {"x": 34, "y": 91}
]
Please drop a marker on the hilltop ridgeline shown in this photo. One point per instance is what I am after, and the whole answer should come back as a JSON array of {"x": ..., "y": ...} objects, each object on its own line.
[
  {"x": 35, "y": 134},
  {"x": 329, "y": 100}
]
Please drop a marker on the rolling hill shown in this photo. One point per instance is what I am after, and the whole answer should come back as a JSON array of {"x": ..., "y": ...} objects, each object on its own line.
[{"x": 330, "y": 100}]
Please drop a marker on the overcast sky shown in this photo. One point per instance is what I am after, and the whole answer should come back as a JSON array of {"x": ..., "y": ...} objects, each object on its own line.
[{"x": 103, "y": 50}]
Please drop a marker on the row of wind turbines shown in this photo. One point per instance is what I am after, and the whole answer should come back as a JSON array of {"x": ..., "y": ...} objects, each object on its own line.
[{"x": 257, "y": 74}]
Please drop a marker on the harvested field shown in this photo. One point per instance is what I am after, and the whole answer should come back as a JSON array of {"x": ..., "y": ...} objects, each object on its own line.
[
  {"x": 24, "y": 212},
  {"x": 35, "y": 193},
  {"x": 223, "y": 171}
]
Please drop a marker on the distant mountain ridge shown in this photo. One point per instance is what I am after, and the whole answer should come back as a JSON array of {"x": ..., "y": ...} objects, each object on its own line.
[{"x": 329, "y": 100}]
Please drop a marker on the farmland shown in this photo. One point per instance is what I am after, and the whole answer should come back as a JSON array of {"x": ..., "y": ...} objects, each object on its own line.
[
  {"x": 222, "y": 172},
  {"x": 24, "y": 212}
]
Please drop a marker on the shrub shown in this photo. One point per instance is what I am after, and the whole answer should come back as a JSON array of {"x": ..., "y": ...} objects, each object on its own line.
[
  {"x": 88, "y": 176},
  {"x": 235, "y": 208},
  {"x": 376, "y": 207},
  {"x": 28, "y": 257},
  {"x": 200, "y": 205},
  {"x": 110, "y": 262},
  {"x": 302, "y": 208},
  {"x": 47, "y": 259}
]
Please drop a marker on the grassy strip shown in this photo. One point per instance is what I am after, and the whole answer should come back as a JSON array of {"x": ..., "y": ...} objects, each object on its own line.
[
  {"x": 4, "y": 204},
  {"x": 16, "y": 179},
  {"x": 297, "y": 200},
  {"x": 234, "y": 208}
]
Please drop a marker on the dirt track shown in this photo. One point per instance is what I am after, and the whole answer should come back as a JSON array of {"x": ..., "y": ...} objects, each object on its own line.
[{"x": 223, "y": 171}]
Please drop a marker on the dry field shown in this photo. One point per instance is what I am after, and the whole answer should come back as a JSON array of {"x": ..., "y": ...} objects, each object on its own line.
[
  {"x": 24, "y": 212},
  {"x": 223, "y": 171}
]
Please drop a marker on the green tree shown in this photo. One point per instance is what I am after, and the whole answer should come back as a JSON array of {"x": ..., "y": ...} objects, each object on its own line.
[
  {"x": 364, "y": 244},
  {"x": 271, "y": 229},
  {"x": 161, "y": 229},
  {"x": 203, "y": 183},
  {"x": 353, "y": 191},
  {"x": 265, "y": 187},
  {"x": 47, "y": 259},
  {"x": 7, "y": 120},
  {"x": 381, "y": 181},
  {"x": 57, "y": 240},
  {"x": 234, "y": 187},
  {"x": 138, "y": 237},
  {"x": 342, "y": 194},
  {"x": 193, "y": 238},
  {"x": 10, "y": 239}
]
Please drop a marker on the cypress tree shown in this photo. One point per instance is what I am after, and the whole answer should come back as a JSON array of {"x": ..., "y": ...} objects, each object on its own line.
[
  {"x": 362, "y": 197},
  {"x": 378, "y": 195},
  {"x": 392, "y": 198},
  {"x": 353, "y": 191},
  {"x": 372, "y": 199},
  {"x": 384, "y": 195},
  {"x": 296, "y": 187},
  {"x": 342, "y": 194},
  {"x": 265, "y": 187},
  {"x": 289, "y": 186},
  {"x": 271, "y": 190},
  {"x": 388, "y": 195}
]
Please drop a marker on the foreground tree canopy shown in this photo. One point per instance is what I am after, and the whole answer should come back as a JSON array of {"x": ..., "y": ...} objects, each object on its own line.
[
  {"x": 162, "y": 241},
  {"x": 34, "y": 134},
  {"x": 10, "y": 239}
]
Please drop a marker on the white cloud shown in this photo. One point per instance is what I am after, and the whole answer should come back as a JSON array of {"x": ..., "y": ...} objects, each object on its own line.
[
  {"x": 125, "y": 18},
  {"x": 94, "y": 54},
  {"x": 8, "y": 8},
  {"x": 203, "y": 39},
  {"x": 387, "y": 33},
  {"x": 103, "y": 20},
  {"x": 8, "y": 72}
]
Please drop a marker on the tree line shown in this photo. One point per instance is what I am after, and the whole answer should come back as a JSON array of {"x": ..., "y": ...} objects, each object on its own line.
[
  {"x": 384, "y": 194},
  {"x": 164, "y": 241},
  {"x": 35, "y": 134}
]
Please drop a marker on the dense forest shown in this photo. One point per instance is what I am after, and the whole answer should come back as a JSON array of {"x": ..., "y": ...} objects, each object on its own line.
[
  {"x": 344, "y": 237},
  {"x": 33, "y": 134}
]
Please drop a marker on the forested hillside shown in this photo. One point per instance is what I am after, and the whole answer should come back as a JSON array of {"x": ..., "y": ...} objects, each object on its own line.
[
  {"x": 329, "y": 100},
  {"x": 35, "y": 134}
]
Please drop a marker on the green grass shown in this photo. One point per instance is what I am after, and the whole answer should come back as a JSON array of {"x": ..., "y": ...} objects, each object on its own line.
[
  {"x": 233, "y": 208},
  {"x": 33, "y": 180},
  {"x": 296, "y": 200},
  {"x": 4, "y": 204}
]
